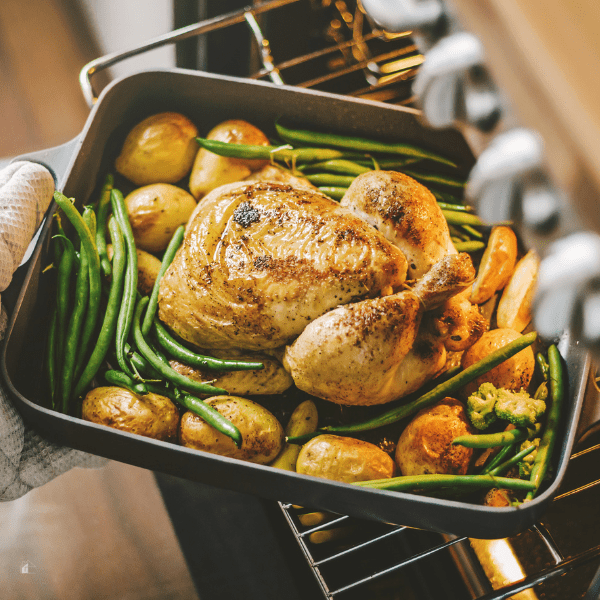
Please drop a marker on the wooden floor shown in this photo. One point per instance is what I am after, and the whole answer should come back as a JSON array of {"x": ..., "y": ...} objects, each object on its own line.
[{"x": 88, "y": 534}]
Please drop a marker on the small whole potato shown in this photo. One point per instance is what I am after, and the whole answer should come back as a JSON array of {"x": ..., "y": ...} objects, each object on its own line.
[
  {"x": 425, "y": 445},
  {"x": 151, "y": 415},
  {"x": 211, "y": 170},
  {"x": 155, "y": 212},
  {"x": 271, "y": 379},
  {"x": 344, "y": 459},
  {"x": 148, "y": 269},
  {"x": 160, "y": 149},
  {"x": 262, "y": 434},
  {"x": 514, "y": 373}
]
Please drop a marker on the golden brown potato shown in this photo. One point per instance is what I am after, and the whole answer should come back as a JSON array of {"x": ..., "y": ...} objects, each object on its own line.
[
  {"x": 344, "y": 459},
  {"x": 150, "y": 415},
  {"x": 262, "y": 434},
  {"x": 211, "y": 171},
  {"x": 514, "y": 373},
  {"x": 271, "y": 379},
  {"x": 148, "y": 268},
  {"x": 514, "y": 308},
  {"x": 497, "y": 264},
  {"x": 160, "y": 149},
  {"x": 425, "y": 445},
  {"x": 499, "y": 498},
  {"x": 155, "y": 212}
]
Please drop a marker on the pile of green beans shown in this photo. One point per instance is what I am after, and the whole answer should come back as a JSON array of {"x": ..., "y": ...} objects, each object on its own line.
[
  {"x": 331, "y": 162},
  {"x": 91, "y": 338}
]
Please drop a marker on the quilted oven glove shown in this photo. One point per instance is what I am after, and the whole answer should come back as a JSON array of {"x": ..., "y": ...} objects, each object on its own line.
[{"x": 26, "y": 459}]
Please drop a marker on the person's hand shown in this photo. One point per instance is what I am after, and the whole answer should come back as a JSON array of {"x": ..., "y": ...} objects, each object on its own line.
[{"x": 26, "y": 459}]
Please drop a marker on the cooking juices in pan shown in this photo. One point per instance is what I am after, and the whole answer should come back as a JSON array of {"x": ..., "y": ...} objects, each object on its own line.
[{"x": 399, "y": 290}]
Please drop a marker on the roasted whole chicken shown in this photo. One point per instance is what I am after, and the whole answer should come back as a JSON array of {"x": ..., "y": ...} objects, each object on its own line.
[{"x": 268, "y": 265}]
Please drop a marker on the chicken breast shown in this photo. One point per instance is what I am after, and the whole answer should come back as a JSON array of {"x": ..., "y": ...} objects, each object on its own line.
[
  {"x": 407, "y": 214},
  {"x": 262, "y": 260}
]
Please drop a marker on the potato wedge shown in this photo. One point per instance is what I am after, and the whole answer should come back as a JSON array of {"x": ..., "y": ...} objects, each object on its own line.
[
  {"x": 514, "y": 308},
  {"x": 497, "y": 264}
]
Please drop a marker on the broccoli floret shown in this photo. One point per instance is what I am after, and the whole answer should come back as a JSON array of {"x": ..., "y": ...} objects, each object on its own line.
[
  {"x": 480, "y": 406},
  {"x": 526, "y": 464},
  {"x": 519, "y": 408}
]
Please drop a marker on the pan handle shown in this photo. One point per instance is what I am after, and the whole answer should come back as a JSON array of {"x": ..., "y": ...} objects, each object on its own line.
[{"x": 247, "y": 14}]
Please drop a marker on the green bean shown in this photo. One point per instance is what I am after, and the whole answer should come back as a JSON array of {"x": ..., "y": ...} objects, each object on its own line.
[
  {"x": 176, "y": 350},
  {"x": 141, "y": 365},
  {"x": 460, "y": 218},
  {"x": 469, "y": 246},
  {"x": 87, "y": 242},
  {"x": 211, "y": 415},
  {"x": 446, "y": 388},
  {"x": 557, "y": 393},
  {"x": 104, "y": 208},
  {"x": 336, "y": 166},
  {"x": 330, "y": 179},
  {"x": 125, "y": 317},
  {"x": 473, "y": 232},
  {"x": 63, "y": 294},
  {"x": 111, "y": 314},
  {"x": 95, "y": 293},
  {"x": 445, "y": 197},
  {"x": 414, "y": 483},
  {"x": 166, "y": 261},
  {"x": 507, "y": 464},
  {"x": 454, "y": 207},
  {"x": 436, "y": 179},
  {"x": 337, "y": 193},
  {"x": 51, "y": 356},
  {"x": 542, "y": 363},
  {"x": 72, "y": 349},
  {"x": 502, "y": 438},
  {"x": 167, "y": 372},
  {"x": 120, "y": 379},
  {"x": 387, "y": 164},
  {"x": 283, "y": 153},
  {"x": 354, "y": 143},
  {"x": 499, "y": 458}
]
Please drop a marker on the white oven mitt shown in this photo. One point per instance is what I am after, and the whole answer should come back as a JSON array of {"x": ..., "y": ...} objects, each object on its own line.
[{"x": 26, "y": 459}]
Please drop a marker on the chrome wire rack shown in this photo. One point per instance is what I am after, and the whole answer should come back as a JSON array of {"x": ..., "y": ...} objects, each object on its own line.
[
  {"x": 351, "y": 558},
  {"x": 342, "y": 51}
]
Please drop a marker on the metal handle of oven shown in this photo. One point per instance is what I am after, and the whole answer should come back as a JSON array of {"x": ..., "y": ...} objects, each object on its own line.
[{"x": 247, "y": 14}]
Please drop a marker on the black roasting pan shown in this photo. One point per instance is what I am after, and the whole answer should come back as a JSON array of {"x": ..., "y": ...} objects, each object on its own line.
[{"x": 207, "y": 99}]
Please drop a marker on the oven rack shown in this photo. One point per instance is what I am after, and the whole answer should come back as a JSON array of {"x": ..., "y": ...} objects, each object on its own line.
[
  {"x": 358, "y": 59},
  {"x": 342, "y": 544}
]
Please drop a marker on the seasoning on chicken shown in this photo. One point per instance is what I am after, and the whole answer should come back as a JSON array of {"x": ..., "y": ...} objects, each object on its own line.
[
  {"x": 407, "y": 214},
  {"x": 355, "y": 354},
  {"x": 260, "y": 261}
]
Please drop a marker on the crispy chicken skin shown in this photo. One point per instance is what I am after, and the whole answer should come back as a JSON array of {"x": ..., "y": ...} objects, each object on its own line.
[
  {"x": 262, "y": 260},
  {"x": 407, "y": 214},
  {"x": 373, "y": 352}
]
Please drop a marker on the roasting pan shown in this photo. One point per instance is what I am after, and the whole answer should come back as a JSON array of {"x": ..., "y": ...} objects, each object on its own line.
[{"x": 79, "y": 168}]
